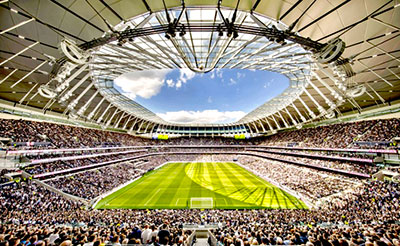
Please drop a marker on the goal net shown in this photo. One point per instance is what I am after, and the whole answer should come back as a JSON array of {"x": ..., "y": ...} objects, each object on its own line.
[{"x": 201, "y": 202}]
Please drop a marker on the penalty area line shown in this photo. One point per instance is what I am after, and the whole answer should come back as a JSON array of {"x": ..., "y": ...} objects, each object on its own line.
[{"x": 151, "y": 198}]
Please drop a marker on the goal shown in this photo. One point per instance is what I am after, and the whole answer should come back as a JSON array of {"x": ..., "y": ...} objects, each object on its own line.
[{"x": 201, "y": 202}]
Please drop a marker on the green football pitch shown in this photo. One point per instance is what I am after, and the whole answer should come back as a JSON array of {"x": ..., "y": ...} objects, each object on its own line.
[{"x": 173, "y": 185}]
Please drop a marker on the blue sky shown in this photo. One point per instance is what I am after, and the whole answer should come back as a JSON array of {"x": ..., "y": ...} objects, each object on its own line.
[{"x": 220, "y": 96}]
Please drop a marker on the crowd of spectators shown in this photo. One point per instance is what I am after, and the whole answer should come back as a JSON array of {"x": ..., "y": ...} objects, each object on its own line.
[
  {"x": 355, "y": 212},
  {"x": 62, "y": 165},
  {"x": 305, "y": 181},
  {"x": 63, "y": 136},
  {"x": 383, "y": 130},
  {"x": 93, "y": 183},
  {"x": 3, "y": 179},
  {"x": 339, "y": 135},
  {"x": 367, "y": 215},
  {"x": 338, "y": 165},
  {"x": 29, "y": 203}
]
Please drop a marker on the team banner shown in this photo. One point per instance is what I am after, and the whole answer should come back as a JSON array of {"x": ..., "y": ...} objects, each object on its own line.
[{"x": 163, "y": 136}]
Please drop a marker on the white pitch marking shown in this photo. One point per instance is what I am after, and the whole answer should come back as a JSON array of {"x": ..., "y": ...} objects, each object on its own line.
[{"x": 158, "y": 190}]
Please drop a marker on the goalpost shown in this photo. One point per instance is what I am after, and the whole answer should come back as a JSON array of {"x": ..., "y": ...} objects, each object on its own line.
[{"x": 201, "y": 202}]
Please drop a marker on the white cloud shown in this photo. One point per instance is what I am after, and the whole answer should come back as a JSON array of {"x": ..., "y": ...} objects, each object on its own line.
[
  {"x": 212, "y": 76},
  {"x": 145, "y": 84},
  {"x": 202, "y": 117},
  {"x": 219, "y": 73},
  {"x": 170, "y": 83},
  {"x": 186, "y": 74},
  {"x": 232, "y": 81},
  {"x": 129, "y": 95},
  {"x": 209, "y": 99},
  {"x": 240, "y": 75}
]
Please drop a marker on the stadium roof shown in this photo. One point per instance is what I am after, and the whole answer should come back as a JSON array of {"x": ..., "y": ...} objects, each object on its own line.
[{"x": 62, "y": 56}]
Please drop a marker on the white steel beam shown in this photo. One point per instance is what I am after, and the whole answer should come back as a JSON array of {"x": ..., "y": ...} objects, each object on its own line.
[
  {"x": 298, "y": 112},
  {"x": 82, "y": 110},
  {"x": 329, "y": 102},
  {"x": 126, "y": 122},
  {"x": 319, "y": 107},
  {"x": 291, "y": 117},
  {"x": 26, "y": 75},
  {"x": 17, "y": 25},
  {"x": 311, "y": 113},
  {"x": 283, "y": 119},
  {"x": 112, "y": 117},
  {"x": 262, "y": 125},
  {"x": 276, "y": 122},
  {"x": 19, "y": 53},
  {"x": 9, "y": 75},
  {"x": 119, "y": 121},
  {"x": 104, "y": 113},
  {"x": 78, "y": 98},
  {"x": 95, "y": 109},
  {"x": 29, "y": 92}
]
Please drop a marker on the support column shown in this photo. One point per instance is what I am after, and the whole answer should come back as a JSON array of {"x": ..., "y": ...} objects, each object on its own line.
[
  {"x": 127, "y": 121},
  {"x": 133, "y": 125},
  {"x": 269, "y": 124},
  {"x": 82, "y": 110},
  {"x": 251, "y": 131},
  {"x": 72, "y": 105},
  {"x": 313, "y": 116},
  {"x": 112, "y": 117},
  {"x": 262, "y": 125},
  {"x": 255, "y": 125},
  {"x": 291, "y": 117},
  {"x": 276, "y": 122},
  {"x": 119, "y": 121},
  {"x": 319, "y": 107},
  {"x": 298, "y": 112},
  {"x": 283, "y": 119},
  {"x": 95, "y": 109},
  {"x": 104, "y": 113}
]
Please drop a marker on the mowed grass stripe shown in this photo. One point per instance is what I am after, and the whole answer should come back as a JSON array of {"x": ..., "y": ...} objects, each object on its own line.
[
  {"x": 228, "y": 183},
  {"x": 180, "y": 197},
  {"x": 169, "y": 187},
  {"x": 149, "y": 188},
  {"x": 218, "y": 185},
  {"x": 276, "y": 199},
  {"x": 243, "y": 188},
  {"x": 173, "y": 185},
  {"x": 249, "y": 181},
  {"x": 154, "y": 186}
]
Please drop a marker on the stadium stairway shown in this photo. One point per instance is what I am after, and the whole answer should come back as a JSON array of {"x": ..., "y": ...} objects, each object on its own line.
[
  {"x": 202, "y": 237},
  {"x": 201, "y": 242},
  {"x": 7, "y": 162}
]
